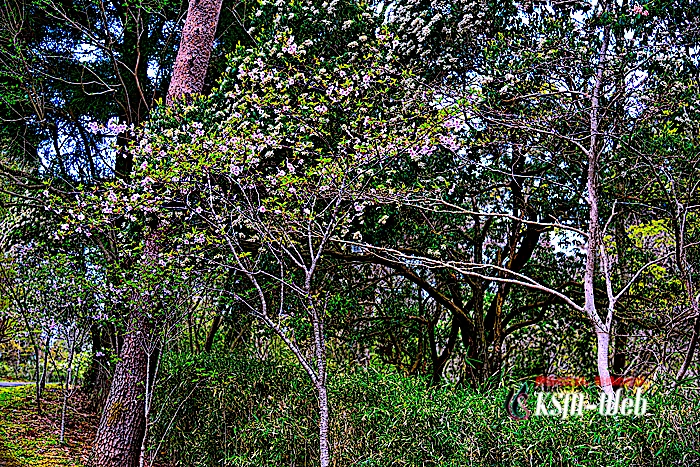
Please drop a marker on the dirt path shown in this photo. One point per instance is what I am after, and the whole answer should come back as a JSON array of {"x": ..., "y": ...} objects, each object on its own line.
[{"x": 6, "y": 459}]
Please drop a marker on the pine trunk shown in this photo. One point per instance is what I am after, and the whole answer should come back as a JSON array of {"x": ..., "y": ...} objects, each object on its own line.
[
  {"x": 195, "y": 49},
  {"x": 122, "y": 426}
]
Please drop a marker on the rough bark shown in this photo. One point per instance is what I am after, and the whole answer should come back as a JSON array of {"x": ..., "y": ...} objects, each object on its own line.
[
  {"x": 195, "y": 49},
  {"x": 122, "y": 426}
]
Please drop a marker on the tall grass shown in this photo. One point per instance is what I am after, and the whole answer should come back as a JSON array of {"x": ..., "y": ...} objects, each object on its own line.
[{"x": 238, "y": 412}]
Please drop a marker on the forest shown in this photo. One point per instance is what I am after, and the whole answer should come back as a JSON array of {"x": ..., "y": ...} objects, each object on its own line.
[{"x": 349, "y": 233}]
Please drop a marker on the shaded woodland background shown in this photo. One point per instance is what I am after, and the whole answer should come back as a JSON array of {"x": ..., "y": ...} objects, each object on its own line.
[{"x": 343, "y": 236}]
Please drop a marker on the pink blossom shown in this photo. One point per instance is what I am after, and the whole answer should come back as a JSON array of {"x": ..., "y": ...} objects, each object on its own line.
[{"x": 637, "y": 9}]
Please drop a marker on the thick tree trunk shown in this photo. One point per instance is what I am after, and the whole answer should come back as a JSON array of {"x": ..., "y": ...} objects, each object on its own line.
[
  {"x": 195, "y": 49},
  {"x": 121, "y": 429}
]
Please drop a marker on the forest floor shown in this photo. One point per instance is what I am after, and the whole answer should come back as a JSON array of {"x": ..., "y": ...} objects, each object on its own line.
[{"x": 29, "y": 439}]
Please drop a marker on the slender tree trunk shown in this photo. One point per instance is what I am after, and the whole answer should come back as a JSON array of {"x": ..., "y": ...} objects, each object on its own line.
[
  {"x": 215, "y": 325},
  {"x": 91, "y": 375},
  {"x": 69, "y": 373},
  {"x": 44, "y": 373},
  {"x": 195, "y": 49},
  {"x": 439, "y": 361},
  {"x": 323, "y": 425},
  {"x": 323, "y": 412},
  {"x": 603, "y": 345},
  {"x": 38, "y": 378},
  {"x": 602, "y": 330},
  {"x": 693, "y": 340}
]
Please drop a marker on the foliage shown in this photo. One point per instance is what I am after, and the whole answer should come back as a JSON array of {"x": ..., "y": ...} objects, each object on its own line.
[{"x": 252, "y": 413}]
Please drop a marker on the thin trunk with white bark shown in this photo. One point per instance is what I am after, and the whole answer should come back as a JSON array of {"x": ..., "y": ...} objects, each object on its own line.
[{"x": 602, "y": 329}]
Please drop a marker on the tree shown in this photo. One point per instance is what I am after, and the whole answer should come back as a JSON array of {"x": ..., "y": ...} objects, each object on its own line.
[{"x": 195, "y": 49}]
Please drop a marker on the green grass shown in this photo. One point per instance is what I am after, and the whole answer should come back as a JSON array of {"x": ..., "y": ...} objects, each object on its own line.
[{"x": 30, "y": 439}]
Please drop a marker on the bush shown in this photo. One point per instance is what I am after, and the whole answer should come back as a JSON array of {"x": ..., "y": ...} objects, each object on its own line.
[{"x": 239, "y": 412}]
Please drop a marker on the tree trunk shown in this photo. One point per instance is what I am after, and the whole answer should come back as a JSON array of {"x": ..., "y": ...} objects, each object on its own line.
[
  {"x": 215, "y": 325},
  {"x": 603, "y": 344},
  {"x": 325, "y": 452},
  {"x": 66, "y": 389},
  {"x": 121, "y": 428},
  {"x": 195, "y": 49},
  {"x": 38, "y": 378},
  {"x": 602, "y": 329},
  {"x": 44, "y": 374},
  {"x": 693, "y": 340}
]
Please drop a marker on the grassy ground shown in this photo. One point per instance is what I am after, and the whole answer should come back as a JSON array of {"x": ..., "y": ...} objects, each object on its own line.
[{"x": 29, "y": 439}]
